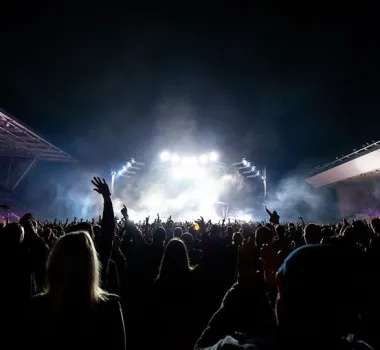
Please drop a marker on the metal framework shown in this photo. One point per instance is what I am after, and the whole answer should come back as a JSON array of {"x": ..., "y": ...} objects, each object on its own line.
[
  {"x": 354, "y": 154},
  {"x": 16, "y": 140},
  {"x": 357, "y": 163},
  {"x": 21, "y": 149}
]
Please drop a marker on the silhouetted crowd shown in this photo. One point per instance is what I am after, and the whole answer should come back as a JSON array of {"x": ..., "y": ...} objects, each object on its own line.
[{"x": 112, "y": 284}]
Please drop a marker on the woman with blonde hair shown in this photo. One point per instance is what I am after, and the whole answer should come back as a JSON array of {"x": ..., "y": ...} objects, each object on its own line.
[{"x": 74, "y": 311}]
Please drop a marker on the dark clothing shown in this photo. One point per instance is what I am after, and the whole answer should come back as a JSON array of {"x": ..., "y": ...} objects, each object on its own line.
[
  {"x": 274, "y": 218},
  {"x": 75, "y": 326},
  {"x": 175, "y": 317},
  {"x": 245, "y": 321}
]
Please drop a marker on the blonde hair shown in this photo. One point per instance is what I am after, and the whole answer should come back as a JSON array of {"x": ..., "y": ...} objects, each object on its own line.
[{"x": 73, "y": 270}]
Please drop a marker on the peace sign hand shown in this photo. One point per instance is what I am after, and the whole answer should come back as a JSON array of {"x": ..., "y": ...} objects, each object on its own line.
[{"x": 101, "y": 186}]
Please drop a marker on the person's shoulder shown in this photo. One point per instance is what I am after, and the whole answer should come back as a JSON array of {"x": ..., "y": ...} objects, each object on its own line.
[
  {"x": 110, "y": 303},
  {"x": 111, "y": 299},
  {"x": 39, "y": 299}
]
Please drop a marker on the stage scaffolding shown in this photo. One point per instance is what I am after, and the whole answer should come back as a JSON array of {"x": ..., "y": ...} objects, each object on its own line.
[{"x": 20, "y": 150}]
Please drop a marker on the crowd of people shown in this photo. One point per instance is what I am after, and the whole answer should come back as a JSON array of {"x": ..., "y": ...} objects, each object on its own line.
[{"x": 112, "y": 284}]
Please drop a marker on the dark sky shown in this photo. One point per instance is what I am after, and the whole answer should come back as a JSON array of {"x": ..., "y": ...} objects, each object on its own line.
[{"x": 279, "y": 86}]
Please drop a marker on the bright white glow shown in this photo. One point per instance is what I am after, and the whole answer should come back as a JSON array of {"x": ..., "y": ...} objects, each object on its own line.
[
  {"x": 244, "y": 217},
  {"x": 203, "y": 158},
  {"x": 192, "y": 172},
  {"x": 193, "y": 160},
  {"x": 186, "y": 160},
  {"x": 129, "y": 165},
  {"x": 197, "y": 195},
  {"x": 175, "y": 158},
  {"x": 165, "y": 156},
  {"x": 179, "y": 173},
  {"x": 248, "y": 164},
  {"x": 244, "y": 162},
  {"x": 214, "y": 156},
  {"x": 199, "y": 173}
]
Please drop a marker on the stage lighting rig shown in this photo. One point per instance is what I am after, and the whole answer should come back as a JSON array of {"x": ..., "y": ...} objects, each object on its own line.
[
  {"x": 249, "y": 171},
  {"x": 166, "y": 157}
]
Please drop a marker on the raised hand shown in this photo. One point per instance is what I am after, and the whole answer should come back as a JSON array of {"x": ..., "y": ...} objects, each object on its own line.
[
  {"x": 201, "y": 223},
  {"x": 124, "y": 212},
  {"x": 101, "y": 186}
]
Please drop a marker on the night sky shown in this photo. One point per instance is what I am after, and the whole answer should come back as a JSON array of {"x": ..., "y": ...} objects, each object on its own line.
[{"x": 284, "y": 88}]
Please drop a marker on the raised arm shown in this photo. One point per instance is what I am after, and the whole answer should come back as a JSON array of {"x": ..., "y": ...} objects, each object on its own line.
[
  {"x": 269, "y": 213},
  {"x": 107, "y": 232}
]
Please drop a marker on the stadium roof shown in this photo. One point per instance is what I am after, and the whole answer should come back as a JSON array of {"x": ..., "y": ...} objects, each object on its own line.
[
  {"x": 17, "y": 140},
  {"x": 363, "y": 161}
]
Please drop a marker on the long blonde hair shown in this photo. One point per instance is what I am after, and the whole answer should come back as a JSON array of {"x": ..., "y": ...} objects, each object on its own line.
[{"x": 73, "y": 271}]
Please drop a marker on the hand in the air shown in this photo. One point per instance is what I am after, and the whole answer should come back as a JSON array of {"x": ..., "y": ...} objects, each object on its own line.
[
  {"x": 124, "y": 212},
  {"x": 101, "y": 186}
]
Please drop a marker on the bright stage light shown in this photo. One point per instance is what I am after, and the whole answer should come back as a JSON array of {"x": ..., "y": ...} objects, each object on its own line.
[
  {"x": 164, "y": 156},
  {"x": 203, "y": 159},
  {"x": 174, "y": 158},
  {"x": 186, "y": 160},
  {"x": 244, "y": 162},
  {"x": 214, "y": 156},
  {"x": 129, "y": 165}
]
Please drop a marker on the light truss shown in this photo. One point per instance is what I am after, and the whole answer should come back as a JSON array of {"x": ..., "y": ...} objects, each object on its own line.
[
  {"x": 20, "y": 150},
  {"x": 16, "y": 140}
]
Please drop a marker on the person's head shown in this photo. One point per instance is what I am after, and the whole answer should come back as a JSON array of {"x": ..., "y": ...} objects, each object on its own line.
[
  {"x": 83, "y": 226},
  {"x": 177, "y": 232},
  {"x": 280, "y": 231},
  {"x": 159, "y": 236},
  {"x": 312, "y": 234},
  {"x": 175, "y": 261},
  {"x": 274, "y": 213},
  {"x": 376, "y": 225},
  {"x": 215, "y": 231},
  {"x": 237, "y": 238},
  {"x": 187, "y": 238},
  {"x": 246, "y": 230},
  {"x": 12, "y": 234},
  {"x": 316, "y": 292},
  {"x": 73, "y": 270},
  {"x": 263, "y": 235},
  {"x": 230, "y": 232},
  {"x": 47, "y": 234}
]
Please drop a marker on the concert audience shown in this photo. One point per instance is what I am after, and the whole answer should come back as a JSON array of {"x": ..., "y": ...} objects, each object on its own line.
[{"x": 185, "y": 285}]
